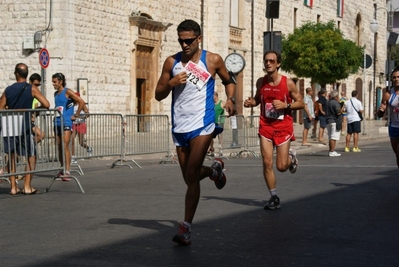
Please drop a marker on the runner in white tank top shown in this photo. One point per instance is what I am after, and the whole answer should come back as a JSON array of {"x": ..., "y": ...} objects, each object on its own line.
[{"x": 190, "y": 75}]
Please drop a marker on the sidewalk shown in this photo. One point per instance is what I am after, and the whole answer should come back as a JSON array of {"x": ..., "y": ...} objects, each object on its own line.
[{"x": 372, "y": 130}]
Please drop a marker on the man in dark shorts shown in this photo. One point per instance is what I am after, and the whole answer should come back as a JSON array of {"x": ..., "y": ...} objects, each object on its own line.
[{"x": 20, "y": 95}]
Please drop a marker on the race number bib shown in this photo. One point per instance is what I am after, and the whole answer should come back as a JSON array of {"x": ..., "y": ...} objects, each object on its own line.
[
  {"x": 273, "y": 113},
  {"x": 60, "y": 109},
  {"x": 196, "y": 75}
]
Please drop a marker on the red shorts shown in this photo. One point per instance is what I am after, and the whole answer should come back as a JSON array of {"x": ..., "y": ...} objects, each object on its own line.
[
  {"x": 80, "y": 128},
  {"x": 276, "y": 136}
]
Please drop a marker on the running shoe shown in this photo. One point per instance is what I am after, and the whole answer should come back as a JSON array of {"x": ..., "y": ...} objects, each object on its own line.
[
  {"x": 220, "y": 178},
  {"x": 334, "y": 154},
  {"x": 356, "y": 149},
  {"x": 273, "y": 203},
  {"x": 90, "y": 150},
  {"x": 294, "y": 160},
  {"x": 74, "y": 161},
  {"x": 183, "y": 236},
  {"x": 347, "y": 149}
]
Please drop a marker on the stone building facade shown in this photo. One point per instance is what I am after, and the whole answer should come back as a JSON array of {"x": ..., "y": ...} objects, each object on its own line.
[{"x": 113, "y": 51}]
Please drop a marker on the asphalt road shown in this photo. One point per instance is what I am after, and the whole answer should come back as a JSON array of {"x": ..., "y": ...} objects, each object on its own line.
[{"x": 335, "y": 212}]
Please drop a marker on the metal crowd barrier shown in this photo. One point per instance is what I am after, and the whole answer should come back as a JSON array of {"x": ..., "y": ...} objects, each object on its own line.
[
  {"x": 233, "y": 135},
  {"x": 251, "y": 136},
  {"x": 107, "y": 135},
  {"x": 17, "y": 128},
  {"x": 147, "y": 134}
]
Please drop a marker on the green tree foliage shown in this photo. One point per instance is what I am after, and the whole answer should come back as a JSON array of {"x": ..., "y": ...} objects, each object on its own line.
[{"x": 320, "y": 52}]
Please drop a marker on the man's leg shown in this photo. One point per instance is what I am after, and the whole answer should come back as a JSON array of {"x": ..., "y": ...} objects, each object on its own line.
[
  {"x": 306, "y": 126},
  {"x": 67, "y": 151},
  {"x": 314, "y": 128},
  {"x": 395, "y": 148},
  {"x": 321, "y": 134},
  {"x": 332, "y": 143},
  {"x": 348, "y": 141},
  {"x": 211, "y": 150},
  {"x": 73, "y": 136},
  {"x": 355, "y": 139},
  {"x": 305, "y": 136},
  {"x": 344, "y": 126},
  {"x": 191, "y": 160},
  {"x": 11, "y": 168},
  {"x": 30, "y": 165},
  {"x": 60, "y": 152},
  {"x": 283, "y": 160},
  {"x": 82, "y": 140},
  {"x": 266, "y": 148}
]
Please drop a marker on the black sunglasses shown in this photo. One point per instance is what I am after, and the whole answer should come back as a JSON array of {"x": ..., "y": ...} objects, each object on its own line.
[
  {"x": 37, "y": 84},
  {"x": 187, "y": 41},
  {"x": 272, "y": 61}
]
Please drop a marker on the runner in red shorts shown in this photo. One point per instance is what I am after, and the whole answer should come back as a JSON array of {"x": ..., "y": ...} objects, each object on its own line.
[
  {"x": 79, "y": 128},
  {"x": 277, "y": 95}
]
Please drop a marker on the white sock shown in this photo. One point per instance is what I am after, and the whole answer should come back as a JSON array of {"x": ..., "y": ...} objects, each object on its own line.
[
  {"x": 273, "y": 192},
  {"x": 187, "y": 224}
]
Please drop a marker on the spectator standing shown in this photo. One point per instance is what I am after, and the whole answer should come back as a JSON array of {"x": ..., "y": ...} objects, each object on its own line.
[
  {"x": 79, "y": 128},
  {"x": 353, "y": 106},
  {"x": 20, "y": 95},
  {"x": 275, "y": 93},
  {"x": 219, "y": 121},
  {"x": 64, "y": 101},
  {"x": 342, "y": 101},
  {"x": 334, "y": 122},
  {"x": 36, "y": 80},
  {"x": 308, "y": 115},
  {"x": 316, "y": 119},
  {"x": 390, "y": 103},
  {"x": 193, "y": 114},
  {"x": 321, "y": 116}
]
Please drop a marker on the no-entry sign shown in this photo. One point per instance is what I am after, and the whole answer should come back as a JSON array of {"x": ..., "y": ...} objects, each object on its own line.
[{"x": 44, "y": 58}]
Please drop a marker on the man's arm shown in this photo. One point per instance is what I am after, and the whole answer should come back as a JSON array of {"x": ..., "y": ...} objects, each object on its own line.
[
  {"x": 254, "y": 101},
  {"x": 295, "y": 95},
  {"x": 81, "y": 103},
  {"x": 3, "y": 100},
  {"x": 44, "y": 103},
  {"x": 383, "y": 105},
  {"x": 306, "y": 108},
  {"x": 339, "y": 108},
  {"x": 166, "y": 82},
  {"x": 323, "y": 112},
  {"x": 228, "y": 81}
]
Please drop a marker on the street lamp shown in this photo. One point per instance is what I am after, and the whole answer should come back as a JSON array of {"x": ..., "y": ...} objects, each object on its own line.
[
  {"x": 374, "y": 26},
  {"x": 374, "y": 29},
  {"x": 252, "y": 51}
]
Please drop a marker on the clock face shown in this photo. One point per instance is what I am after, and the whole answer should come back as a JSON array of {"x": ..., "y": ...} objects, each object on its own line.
[{"x": 235, "y": 63}]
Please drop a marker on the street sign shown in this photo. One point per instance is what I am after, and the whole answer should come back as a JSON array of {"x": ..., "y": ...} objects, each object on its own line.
[
  {"x": 368, "y": 62},
  {"x": 44, "y": 58}
]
